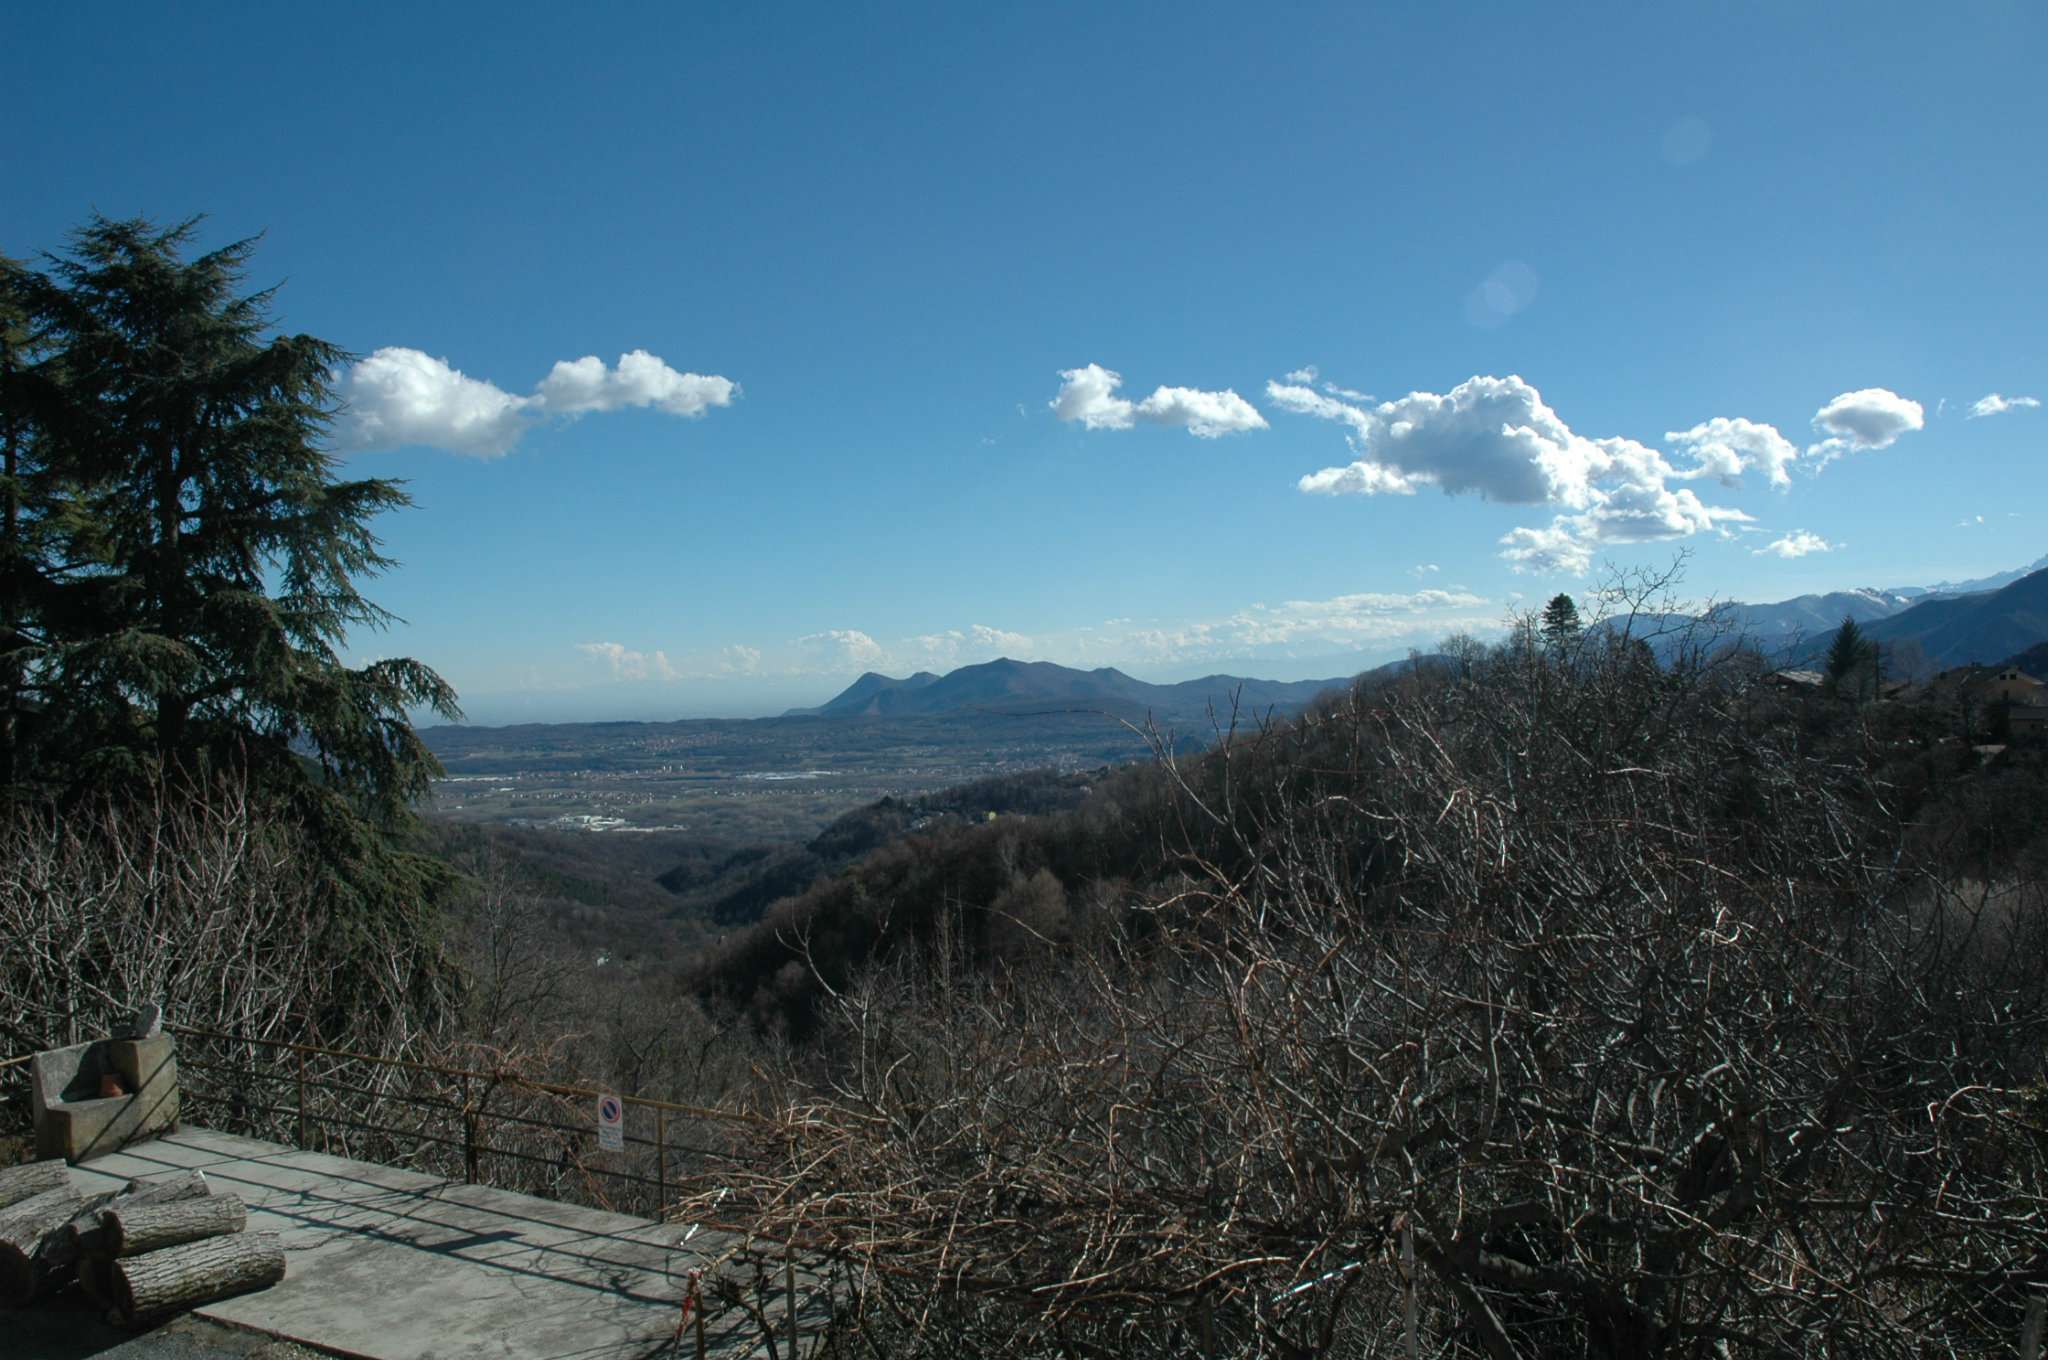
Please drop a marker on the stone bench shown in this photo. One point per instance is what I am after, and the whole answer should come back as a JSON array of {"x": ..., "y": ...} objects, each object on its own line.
[{"x": 75, "y": 1122}]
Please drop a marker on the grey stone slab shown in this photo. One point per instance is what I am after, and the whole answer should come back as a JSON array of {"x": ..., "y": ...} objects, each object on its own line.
[
  {"x": 55, "y": 1335},
  {"x": 75, "y": 1122},
  {"x": 395, "y": 1265}
]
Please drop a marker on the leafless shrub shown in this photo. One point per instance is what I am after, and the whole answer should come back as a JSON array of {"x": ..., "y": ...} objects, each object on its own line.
[
  {"x": 180, "y": 900},
  {"x": 1628, "y": 1019},
  {"x": 198, "y": 899}
]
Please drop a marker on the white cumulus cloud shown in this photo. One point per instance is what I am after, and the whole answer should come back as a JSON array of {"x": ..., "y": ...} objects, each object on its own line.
[
  {"x": 1496, "y": 439},
  {"x": 627, "y": 664},
  {"x": 575, "y": 386},
  {"x": 1308, "y": 627},
  {"x": 1992, "y": 404},
  {"x": 1796, "y": 544},
  {"x": 1725, "y": 448},
  {"x": 1558, "y": 548},
  {"x": 1088, "y": 395},
  {"x": 959, "y": 647},
  {"x": 397, "y": 397},
  {"x": 999, "y": 641},
  {"x": 1358, "y": 479},
  {"x": 843, "y": 649},
  {"x": 1868, "y": 418},
  {"x": 1492, "y": 437}
]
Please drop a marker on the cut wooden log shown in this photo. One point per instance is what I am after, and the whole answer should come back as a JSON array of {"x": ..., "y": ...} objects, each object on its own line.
[
  {"x": 134, "y": 1229},
  {"x": 27, "y": 1229},
  {"x": 148, "y": 1286},
  {"x": 96, "y": 1280},
  {"x": 30, "y": 1179},
  {"x": 85, "y": 1235}
]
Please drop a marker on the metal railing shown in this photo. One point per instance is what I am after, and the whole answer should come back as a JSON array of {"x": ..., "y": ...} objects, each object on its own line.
[
  {"x": 326, "y": 1099},
  {"x": 322, "y": 1098}
]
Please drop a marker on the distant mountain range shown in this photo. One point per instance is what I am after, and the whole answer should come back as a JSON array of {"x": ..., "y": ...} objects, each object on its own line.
[
  {"x": 1987, "y": 626},
  {"x": 1795, "y": 621},
  {"x": 1982, "y": 583},
  {"x": 1790, "y": 623},
  {"x": 1930, "y": 633},
  {"x": 1987, "y": 621},
  {"x": 1006, "y": 686}
]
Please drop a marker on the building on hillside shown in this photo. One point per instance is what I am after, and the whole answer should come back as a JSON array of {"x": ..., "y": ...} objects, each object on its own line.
[
  {"x": 2012, "y": 685},
  {"x": 2027, "y": 721},
  {"x": 1952, "y": 685},
  {"x": 1796, "y": 682}
]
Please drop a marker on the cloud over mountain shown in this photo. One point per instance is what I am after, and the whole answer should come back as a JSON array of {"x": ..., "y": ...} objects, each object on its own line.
[
  {"x": 1796, "y": 544},
  {"x": 841, "y": 649},
  {"x": 627, "y": 664}
]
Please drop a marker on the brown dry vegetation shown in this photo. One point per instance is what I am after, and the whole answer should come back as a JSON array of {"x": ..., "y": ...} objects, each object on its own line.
[
  {"x": 1652, "y": 1016},
  {"x": 1654, "y": 1022}
]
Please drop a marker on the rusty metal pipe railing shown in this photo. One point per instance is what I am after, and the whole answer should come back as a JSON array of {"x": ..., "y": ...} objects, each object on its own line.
[
  {"x": 499, "y": 1078},
  {"x": 293, "y": 1071},
  {"x": 472, "y": 1143}
]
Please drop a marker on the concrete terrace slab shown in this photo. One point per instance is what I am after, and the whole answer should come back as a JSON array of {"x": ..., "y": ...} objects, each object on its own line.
[{"x": 396, "y": 1265}]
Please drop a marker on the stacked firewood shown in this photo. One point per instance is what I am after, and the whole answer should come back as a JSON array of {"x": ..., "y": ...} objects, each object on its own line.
[{"x": 143, "y": 1252}]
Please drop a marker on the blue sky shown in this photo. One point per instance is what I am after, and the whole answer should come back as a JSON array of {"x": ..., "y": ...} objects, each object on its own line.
[{"x": 1421, "y": 313}]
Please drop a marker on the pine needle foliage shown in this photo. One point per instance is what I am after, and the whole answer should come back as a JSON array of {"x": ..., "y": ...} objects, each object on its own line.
[
  {"x": 197, "y": 566},
  {"x": 182, "y": 560}
]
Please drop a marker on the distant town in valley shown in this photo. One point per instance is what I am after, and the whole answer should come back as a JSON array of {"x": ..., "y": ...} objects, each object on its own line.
[{"x": 784, "y": 777}]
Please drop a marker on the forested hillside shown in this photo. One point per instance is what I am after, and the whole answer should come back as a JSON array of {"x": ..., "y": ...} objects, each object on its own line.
[
  {"x": 1592, "y": 984},
  {"x": 1952, "y": 630}
]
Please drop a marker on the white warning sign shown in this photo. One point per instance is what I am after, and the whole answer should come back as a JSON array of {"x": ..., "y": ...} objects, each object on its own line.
[{"x": 611, "y": 1123}]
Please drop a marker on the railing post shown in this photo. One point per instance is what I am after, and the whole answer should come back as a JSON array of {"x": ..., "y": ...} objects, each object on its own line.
[
  {"x": 1408, "y": 1303},
  {"x": 2030, "y": 1331},
  {"x": 468, "y": 1135},
  {"x": 660, "y": 1159},
  {"x": 789, "y": 1284},
  {"x": 302, "y": 1098}
]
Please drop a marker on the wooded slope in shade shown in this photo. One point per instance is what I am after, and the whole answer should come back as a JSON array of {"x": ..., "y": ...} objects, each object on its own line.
[{"x": 1595, "y": 983}]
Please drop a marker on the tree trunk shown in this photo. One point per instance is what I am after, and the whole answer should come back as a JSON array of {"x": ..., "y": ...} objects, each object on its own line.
[
  {"x": 85, "y": 1236},
  {"x": 148, "y": 1286},
  {"x": 133, "y": 1230},
  {"x": 27, "y": 1229},
  {"x": 18, "y": 1183}
]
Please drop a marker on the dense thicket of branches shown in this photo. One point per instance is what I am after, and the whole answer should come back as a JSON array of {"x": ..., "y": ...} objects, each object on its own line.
[
  {"x": 1625, "y": 1001},
  {"x": 196, "y": 899}
]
